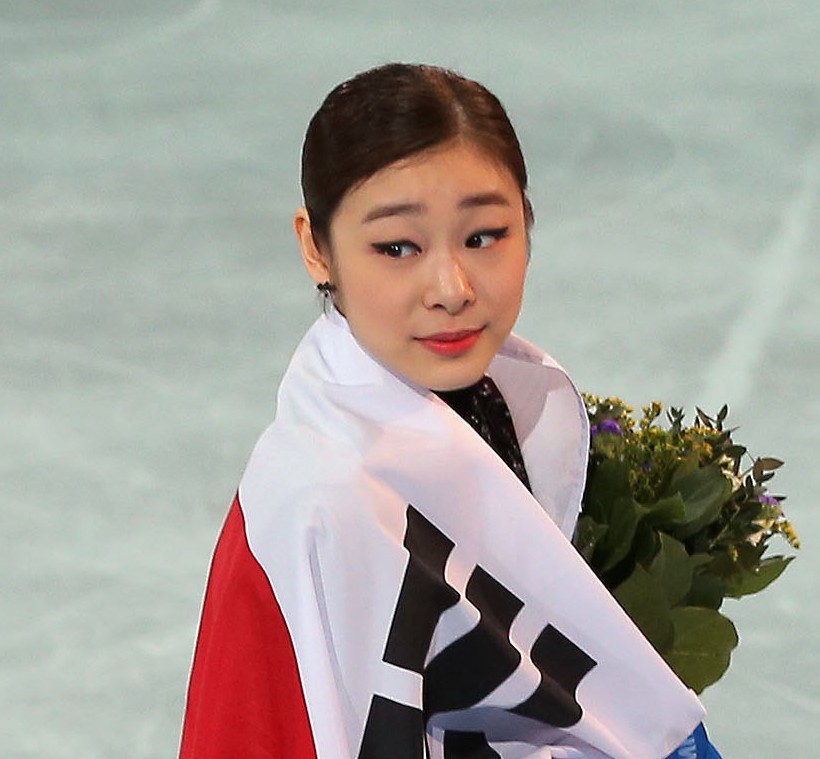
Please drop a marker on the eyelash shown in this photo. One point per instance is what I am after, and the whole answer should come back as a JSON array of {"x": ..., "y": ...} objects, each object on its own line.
[
  {"x": 393, "y": 248},
  {"x": 499, "y": 233}
]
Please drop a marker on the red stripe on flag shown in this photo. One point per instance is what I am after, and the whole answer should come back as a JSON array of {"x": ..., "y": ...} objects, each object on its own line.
[{"x": 245, "y": 697}]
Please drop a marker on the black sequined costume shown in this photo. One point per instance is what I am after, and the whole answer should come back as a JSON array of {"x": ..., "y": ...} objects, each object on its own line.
[{"x": 483, "y": 407}]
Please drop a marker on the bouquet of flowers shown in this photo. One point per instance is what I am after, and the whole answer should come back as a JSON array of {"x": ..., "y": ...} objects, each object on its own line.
[{"x": 675, "y": 518}]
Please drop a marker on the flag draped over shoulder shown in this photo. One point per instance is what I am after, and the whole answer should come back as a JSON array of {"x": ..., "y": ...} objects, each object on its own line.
[{"x": 386, "y": 588}]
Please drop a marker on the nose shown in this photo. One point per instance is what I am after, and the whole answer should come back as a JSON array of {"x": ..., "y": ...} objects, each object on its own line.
[{"x": 449, "y": 285}]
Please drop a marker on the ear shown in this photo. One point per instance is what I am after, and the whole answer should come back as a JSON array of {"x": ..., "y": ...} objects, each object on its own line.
[{"x": 315, "y": 261}]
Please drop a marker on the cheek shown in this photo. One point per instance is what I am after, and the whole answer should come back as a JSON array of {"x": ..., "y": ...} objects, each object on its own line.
[
  {"x": 506, "y": 285},
  {"x": 350, "y": 281},
  {"x": 369, "y": 301}
]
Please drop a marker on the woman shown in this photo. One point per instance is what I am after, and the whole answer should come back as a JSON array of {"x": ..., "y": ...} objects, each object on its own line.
[{"x": 395, "y": 577}]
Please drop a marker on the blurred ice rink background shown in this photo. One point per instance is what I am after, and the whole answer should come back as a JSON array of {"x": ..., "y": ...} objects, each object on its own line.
[{"x": 151, "y": 293}]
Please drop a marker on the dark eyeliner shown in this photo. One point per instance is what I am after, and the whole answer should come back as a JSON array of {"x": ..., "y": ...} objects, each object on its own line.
[
  {"x": 496, "y": 233},
  {"x": 499, "y": 232}
]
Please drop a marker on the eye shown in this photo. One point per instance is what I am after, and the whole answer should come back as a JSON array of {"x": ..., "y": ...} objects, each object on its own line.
[
  {"x": 397, "y": 248},
  {"x": 486, "y": 237}
]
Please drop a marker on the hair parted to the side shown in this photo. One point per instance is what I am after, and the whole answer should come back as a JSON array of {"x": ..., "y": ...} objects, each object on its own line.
[{"x": 392, "y": 112}]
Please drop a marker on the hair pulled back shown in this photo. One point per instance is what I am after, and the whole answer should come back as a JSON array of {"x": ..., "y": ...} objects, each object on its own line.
[{"x": 392, "y": 112}]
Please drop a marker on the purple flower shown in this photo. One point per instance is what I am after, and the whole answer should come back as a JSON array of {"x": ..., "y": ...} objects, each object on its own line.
[
  {"x": 593, "y": 430},
  {"x": 768, "y": 500},
  {"x": 611, "y": 426}
]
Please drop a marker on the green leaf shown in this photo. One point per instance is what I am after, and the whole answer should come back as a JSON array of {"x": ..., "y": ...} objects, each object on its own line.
[
  {"x": 735, "y": 451},
  {"x": 665, "y": 512},
  {"x": 643, "y": 598},
  {"x": 762, "y": 465},
  {"x": 608, "y": 501},
  {"x": 703, "y": 643},
  {"x": 609, "y": 480},
  {"x": 708, "y": 590},
  {"x": 672, "y": 567},
  {"x": 745, "y": 582},
  {"x": 646, "y": 543},
  {"x": 749, "y": 555},
  {"x": 616, "y": 544},
  {"x": 587, "y": 533},
  {"x": 704, "y": 491},
  {"x": 685, "y": 467},
  {"x": 704, "y": 418}
]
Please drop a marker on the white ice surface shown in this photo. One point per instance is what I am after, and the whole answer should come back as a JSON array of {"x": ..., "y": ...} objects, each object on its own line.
[{"x": 150, "y": 294}]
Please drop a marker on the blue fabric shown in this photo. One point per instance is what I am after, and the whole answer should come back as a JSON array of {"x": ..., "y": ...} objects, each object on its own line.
[{"x": 696, "y": 746}]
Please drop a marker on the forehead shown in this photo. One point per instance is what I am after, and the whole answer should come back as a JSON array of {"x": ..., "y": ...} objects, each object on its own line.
[{"x": 449, "y": 169}]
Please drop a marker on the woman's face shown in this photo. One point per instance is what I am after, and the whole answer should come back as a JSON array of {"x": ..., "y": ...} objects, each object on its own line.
[{"x": 428, "y": 257}]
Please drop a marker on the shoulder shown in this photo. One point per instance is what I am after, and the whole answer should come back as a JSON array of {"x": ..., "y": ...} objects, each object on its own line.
[
  {"x": 519, "y": 349},
  {"x": 293, "y": 463}
]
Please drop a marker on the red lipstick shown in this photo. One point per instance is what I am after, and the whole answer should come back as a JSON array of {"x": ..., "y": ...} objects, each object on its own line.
[{"x": 451, "y": 343}]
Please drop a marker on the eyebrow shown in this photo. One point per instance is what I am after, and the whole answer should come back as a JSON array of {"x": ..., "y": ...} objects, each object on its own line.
[
  {"x": 415, "y": 209},
  {"x": 484, "y": 199},
  {"x": 394, "y": 209}
]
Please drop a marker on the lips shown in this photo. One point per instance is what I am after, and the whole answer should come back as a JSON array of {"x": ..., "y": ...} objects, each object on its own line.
[{"x": 451, "y": 343}]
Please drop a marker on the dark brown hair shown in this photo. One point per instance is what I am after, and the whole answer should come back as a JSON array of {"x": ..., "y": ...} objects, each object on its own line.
[{"x": 391, "y": 112}]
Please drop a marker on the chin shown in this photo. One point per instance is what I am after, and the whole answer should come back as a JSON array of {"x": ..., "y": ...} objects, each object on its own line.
[{"x": 455, "y": 380}]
